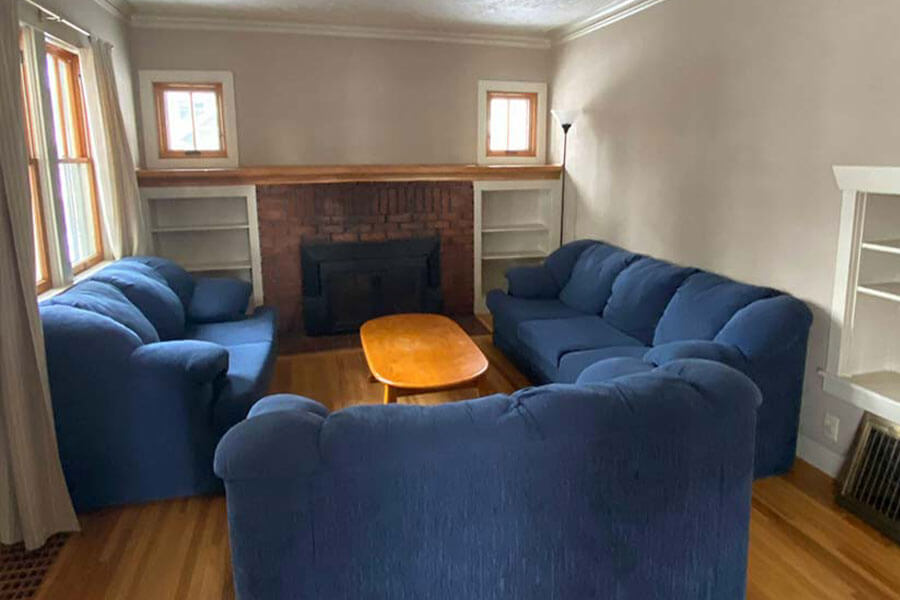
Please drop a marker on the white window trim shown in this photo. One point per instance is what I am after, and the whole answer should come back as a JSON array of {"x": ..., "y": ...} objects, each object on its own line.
[
  {"x": 149, "y": 124},
  {"x": 528, "y": 87}
]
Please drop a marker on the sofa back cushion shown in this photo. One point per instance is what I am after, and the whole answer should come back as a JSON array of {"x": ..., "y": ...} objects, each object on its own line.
[
  {"x": 181, "y": 282},
  {"x": 640, "y": 294},
  {"x": 590, "y": 284},
  {"x": 107, "y": 300},
  {"x": 702, "y": 306},
  {"x": 150, "y": 295}
]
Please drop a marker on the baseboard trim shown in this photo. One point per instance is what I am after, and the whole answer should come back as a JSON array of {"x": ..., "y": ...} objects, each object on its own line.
[{"x": 819, "y": 456}]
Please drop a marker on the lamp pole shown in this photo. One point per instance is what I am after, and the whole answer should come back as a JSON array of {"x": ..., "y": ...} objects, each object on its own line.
[{"x": 562, "y": 200}]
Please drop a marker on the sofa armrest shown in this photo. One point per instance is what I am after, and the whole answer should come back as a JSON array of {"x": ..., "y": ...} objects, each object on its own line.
[
  {"x": 724, "y": 353},
  {"x": 532, "y": 282},
  {"x": 219, "y": 299},
  {"x": 198, "y": 362},
  {"x": 767, "y": 327}
]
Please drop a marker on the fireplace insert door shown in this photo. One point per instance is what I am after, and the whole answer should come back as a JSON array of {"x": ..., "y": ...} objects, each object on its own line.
[{"x": 345, "y": 285}]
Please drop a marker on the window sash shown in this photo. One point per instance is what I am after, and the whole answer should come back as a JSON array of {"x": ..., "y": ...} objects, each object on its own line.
[
  {"x": 532, "y": 98},
  {"x": 162, "y": 122}
]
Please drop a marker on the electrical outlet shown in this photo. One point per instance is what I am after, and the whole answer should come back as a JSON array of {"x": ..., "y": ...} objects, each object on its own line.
[{"x": 832, "y": 427}]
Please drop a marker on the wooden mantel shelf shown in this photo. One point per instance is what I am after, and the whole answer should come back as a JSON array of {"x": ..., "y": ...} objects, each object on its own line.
[{"x": 342, "y": 173}]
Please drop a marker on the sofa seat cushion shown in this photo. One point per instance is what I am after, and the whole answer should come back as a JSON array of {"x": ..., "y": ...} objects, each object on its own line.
[
  {"x": 257, "y": 328},
  {"x": 640, "y": 294},
  {"x": 107, "y": 300},
  {"x": 181, "y": 282},
  {"x": 572, "y": 364},
  {"x": 703, "y": 305},
  {"x": 545, "y": 342},
  {"x": 219, "y": 299},
  {"x": 150, "y": 294},
  {"x": 509, "y": 312},
  {"x": 592, "y": 277},
  {"x": 249, "y": 371}
]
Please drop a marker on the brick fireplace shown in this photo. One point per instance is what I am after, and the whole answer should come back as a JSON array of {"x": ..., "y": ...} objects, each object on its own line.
[{"x": 291, "y": 215}]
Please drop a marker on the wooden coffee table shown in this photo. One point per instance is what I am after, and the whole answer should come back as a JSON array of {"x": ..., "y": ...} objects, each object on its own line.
[{"x": 417, "y": 354}]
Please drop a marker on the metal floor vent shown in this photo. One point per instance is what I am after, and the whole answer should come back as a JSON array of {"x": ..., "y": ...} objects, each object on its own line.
[{"x": 871, "y": 485}]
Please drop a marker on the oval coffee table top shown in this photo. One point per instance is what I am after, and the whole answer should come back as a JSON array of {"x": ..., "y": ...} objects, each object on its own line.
[{"x": 420, "y": 351}]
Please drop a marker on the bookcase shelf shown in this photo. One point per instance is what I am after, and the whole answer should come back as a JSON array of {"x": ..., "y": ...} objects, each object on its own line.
[{"x": 207, "y": 230}]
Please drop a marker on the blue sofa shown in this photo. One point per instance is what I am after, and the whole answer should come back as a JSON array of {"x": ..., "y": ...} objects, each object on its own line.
[
  {"x": 148, "y": 368},
  {"x": 591, "y": 301},
  {"x": 636, "y": 483}
]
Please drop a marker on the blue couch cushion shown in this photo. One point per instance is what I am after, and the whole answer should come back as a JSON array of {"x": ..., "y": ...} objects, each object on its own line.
[
  {"x": 572, "y": 364},
  {"x": 219, "y": 299},
  {"x": 702, "y": 306},
  {"x": 150, "y": 295},
  {"x": 109, "y": 301},
  {"x": 640, "y": 295},
  {"x": 259, "y": 327},
  {"x": 590, "y": 284},
  {"x": 181, "y": 282},
  {"x": 546, "y": 341},
  {"x": 250, "y": 368},
  {"x": 509, "y": 312},
  {"x": 561, "y": 262}
]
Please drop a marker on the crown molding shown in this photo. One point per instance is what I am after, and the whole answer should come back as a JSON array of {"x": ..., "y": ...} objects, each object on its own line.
[
  {"x": 604, "y": 18},
  {"x": 120, "y": 9},
  {"x": 415, "y": 35}
]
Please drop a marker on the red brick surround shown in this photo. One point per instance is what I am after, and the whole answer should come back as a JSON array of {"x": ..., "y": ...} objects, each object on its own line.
[{"x": 348, "y": 212}]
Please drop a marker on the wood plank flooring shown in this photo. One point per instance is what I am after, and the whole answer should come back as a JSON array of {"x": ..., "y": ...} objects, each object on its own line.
[{"x": 802, "y": 546}]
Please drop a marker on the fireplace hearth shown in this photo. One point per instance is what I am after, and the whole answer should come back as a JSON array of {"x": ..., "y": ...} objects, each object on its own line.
[{"x": 346, "y": 284}]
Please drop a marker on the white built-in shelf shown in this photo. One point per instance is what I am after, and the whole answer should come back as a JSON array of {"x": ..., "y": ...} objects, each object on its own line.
[
  {"x": 887, "y": 291},
  {"x": 200, "y": 228},
  {"x": 525, "y": 227},
  {"x": 513, "y": 255},
  {"x": 889, "y": 246},
  {"x": 217, "y": 266}
]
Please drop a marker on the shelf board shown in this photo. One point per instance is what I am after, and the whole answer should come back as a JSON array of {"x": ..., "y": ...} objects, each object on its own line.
[
  {"x": 877, "y": 392},
  {"x": 224, "y": 266},
  {"x": 887, "y": 291},
  {"x": 514, "y": 255},
  {"x": 888, "y": 246},
  {"x": 525, "y": 227},
  {"x": 197, "y": 228}
]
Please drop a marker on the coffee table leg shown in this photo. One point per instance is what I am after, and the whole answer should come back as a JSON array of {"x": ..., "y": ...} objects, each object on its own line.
[{"x": 390, "y": 394}]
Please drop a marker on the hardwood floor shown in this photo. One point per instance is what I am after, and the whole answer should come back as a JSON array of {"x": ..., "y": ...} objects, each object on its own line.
[{"x": 802, "y": 546}]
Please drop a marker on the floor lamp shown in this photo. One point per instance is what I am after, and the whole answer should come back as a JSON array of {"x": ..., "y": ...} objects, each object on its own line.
[{"x": 565, "y": 118}]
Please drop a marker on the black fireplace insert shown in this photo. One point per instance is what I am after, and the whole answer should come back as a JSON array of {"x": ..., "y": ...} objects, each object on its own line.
[{"x": 346, "y": 284}]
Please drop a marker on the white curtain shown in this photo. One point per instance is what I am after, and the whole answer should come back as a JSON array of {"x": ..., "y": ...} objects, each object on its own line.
[
  {"x": 34, "y": 501},
  {"x": 119, "y": 197}
]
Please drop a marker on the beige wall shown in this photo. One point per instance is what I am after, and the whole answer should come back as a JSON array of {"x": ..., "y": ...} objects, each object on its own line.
[
  {"x": 328, "y": 100},
  {"x": 709, "y": 131},
  {"x": 107, "y": 25}
]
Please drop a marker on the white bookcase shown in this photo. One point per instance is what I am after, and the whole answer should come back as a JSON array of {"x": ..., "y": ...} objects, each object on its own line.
[
  {"x": 864, "y": 346},
  {"x": 516, "y": 223},
  {"x": 212, "y": 231}
]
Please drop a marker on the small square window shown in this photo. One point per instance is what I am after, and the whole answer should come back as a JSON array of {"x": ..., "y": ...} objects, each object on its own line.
[
  {"x": 190, "y": 120},
  {"x": 512, "y": 124}
]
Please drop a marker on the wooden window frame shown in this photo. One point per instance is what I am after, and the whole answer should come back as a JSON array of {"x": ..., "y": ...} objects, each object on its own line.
[
  {"x": 81, "y": 153},
  {"x": 34, "y": 181},
  {"x": 531, "y": 151},
  {"x": 159, "y": 90}
]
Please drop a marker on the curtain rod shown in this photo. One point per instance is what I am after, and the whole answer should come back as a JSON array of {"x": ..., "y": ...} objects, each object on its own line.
[{"x": 49, "y": 15}]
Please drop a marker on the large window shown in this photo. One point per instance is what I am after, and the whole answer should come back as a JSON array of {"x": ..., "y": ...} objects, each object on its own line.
[
  {"x": 77, "y": 187},
  {"x": 41, "y": 254},
  {"x": 512, "y": 120},
  {"x": 190, "y": 120}
]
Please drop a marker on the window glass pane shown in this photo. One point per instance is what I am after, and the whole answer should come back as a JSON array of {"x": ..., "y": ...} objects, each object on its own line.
[
  {"x": 75, "y": 188},
  {"x": 499, "y": 125},
  {"x": 39, "y": 259},
  {"x": 206, "y": 120},
  {"x": 179, "y": 126},
  {"x": 54, "y": 103},
  {"x": 519, "y": 124},
  {"x": 68, "y": 106}
]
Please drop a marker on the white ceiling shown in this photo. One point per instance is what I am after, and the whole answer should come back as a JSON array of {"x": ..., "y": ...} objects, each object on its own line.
[{"x": 512, "y": 17}]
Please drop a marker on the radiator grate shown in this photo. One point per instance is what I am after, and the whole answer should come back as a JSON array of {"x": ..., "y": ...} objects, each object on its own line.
[{"x": 871, "y": 485}]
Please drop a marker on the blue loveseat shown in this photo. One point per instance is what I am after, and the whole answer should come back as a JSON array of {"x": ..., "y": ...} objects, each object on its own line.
[
  {"x": 634, "y": 484},
  {"x": 148, "y": 368},
  {"x": 591, "y": 301}
]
